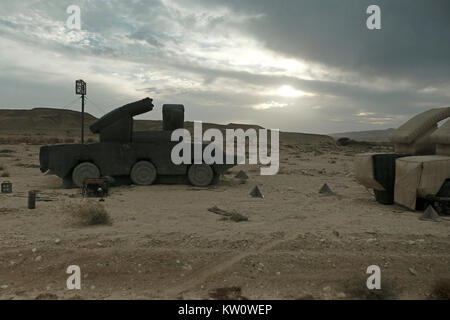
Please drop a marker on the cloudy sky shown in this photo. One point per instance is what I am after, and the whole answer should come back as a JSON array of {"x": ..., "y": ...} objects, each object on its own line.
[{"x": 304, "y": 66}]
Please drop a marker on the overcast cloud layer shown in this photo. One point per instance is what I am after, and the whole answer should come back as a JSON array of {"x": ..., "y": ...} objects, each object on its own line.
[{"x": 305, "y": 66}]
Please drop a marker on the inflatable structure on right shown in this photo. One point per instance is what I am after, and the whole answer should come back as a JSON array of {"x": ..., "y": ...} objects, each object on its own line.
[{"x": 417, "y": 174}]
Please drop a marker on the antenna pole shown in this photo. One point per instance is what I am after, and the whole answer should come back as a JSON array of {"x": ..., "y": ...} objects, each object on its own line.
[
  {"x": 80, "y": 88},
  {"x": 82, "y": 118}
]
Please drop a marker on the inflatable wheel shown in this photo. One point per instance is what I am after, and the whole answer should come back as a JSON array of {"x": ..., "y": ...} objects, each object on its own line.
[
  {"x": 83, "y": 171},
  {"x": 143, "y": 173},
  {"x": 200, "y": 175}
]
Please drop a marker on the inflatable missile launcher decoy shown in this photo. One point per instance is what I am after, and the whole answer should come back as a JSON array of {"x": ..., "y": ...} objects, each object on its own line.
[
  {"x": 142, "y": 156},
  {"x": 418, "y": 173}
]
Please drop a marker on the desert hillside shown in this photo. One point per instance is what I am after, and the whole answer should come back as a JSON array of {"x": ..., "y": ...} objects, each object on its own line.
[
  {"x": 58, "y": 125},
  {"x": 45, "y": 121}
]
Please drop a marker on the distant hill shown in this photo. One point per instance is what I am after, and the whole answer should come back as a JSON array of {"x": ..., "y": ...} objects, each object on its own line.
[
  {"x": 371, "y": 135},
  {"x": 61, "y": 123},
  {"x": 42, "y": 121}
]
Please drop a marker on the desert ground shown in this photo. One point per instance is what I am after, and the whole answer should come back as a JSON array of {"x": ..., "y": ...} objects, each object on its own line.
[{"x": 163, "y": 243}]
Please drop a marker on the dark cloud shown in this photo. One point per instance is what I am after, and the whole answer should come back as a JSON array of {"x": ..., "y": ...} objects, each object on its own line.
[
  {"x": 414, "y": 40},
  {"x": 220, "y": 58}
]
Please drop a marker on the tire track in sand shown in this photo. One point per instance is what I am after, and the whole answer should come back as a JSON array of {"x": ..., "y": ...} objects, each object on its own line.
[{"x": 218, "y": 266}]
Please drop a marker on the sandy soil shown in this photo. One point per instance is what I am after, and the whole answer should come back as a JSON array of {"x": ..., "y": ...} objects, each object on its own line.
[{"x": 164, "y": 243}]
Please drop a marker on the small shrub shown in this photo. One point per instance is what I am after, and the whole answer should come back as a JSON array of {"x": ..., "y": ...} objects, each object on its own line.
[
  {"x": 2, "y": 167},
  {"x": 6, "y": 151},
  {"x": 92, "y": 214},
  {"x": 5, "y": 174}
]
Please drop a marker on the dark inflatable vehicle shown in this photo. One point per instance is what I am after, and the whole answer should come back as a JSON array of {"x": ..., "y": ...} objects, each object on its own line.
[{"x": 142, "y": 156}]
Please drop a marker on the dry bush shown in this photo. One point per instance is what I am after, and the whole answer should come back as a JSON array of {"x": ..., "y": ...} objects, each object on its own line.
[
  {"x": 90, "y": 214},
  {"x": 5, "y": 174}
]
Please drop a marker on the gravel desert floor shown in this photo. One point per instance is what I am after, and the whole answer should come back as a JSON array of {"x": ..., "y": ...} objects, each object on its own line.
[{"x": 163, "y": 243}]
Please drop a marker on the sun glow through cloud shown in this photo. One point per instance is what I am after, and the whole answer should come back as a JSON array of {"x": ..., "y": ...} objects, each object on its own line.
[
  {"x": 269, "y": 105},
  {"x": 290, "y": 92}
]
